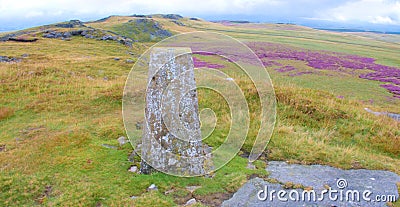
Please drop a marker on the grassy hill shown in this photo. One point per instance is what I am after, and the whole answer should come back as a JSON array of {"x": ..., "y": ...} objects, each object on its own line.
[{"x": 61, "y": 102}]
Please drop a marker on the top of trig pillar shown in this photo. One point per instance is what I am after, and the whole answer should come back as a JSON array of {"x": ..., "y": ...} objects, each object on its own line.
[{"x": 160, "y": 56}]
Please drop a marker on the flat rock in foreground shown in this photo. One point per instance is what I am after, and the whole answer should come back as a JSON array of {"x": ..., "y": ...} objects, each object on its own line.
[{"x": 347, "y": 183}]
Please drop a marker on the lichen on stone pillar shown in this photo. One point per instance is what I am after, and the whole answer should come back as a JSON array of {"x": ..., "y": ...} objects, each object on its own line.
[{"x": 171, "y": 139}]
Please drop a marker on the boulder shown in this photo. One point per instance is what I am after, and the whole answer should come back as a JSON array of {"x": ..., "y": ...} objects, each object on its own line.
[
  {"x": 109, "y": 37},
  {"x": 66, "y": 35},
  {"x": 70, "y": 24},
  {"x": 52, "y": 34},
  {"x": 172, "y": 16},
  {"x": 76, "y": 32},
  {"x": 89, "y": 36}
]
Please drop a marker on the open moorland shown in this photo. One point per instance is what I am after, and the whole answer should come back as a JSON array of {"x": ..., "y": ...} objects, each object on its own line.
[{"x": 61, "y": 91}]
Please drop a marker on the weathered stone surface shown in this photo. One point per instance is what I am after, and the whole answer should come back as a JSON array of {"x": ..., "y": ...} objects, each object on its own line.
[
  {"x": 247, "y": 194},
  {"x": 76, "y": 32},
  {"x": 126, "y": 42},
  {"x": 109, "y": 37},
  {"x": 171, "y": 16},
  {"x": 9, "y": 59},
  {"x": 6, "y": 37},
  {"x": 172, "y": 141},
  {"x": 318, "y": 177},
  {"x": 70, "y": 24},
  {"x": 52, "y": 34},
  {"x": 89, "y": 36},
  {"x": 67, "y": 35},
  {"x": 89, "y": 33}
]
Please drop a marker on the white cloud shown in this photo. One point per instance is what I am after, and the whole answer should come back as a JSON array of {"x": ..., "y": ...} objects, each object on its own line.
[
  {"x": 28, "y": 12},
  {"x": 371, "y": 11},
  {"x": 49, "y": 7},
  {"x": 34, "y": 14},
  {"x": 383, "y": 20}
]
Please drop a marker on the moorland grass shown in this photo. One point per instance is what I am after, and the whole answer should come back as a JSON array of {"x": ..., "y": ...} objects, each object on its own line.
[{"x": 62, "y": 102}]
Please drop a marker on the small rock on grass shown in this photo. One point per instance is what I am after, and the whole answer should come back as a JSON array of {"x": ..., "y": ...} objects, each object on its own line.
[
  {"x": 133, "y": 169},
  {"x": 152, "y": 187},
  {"x": 191, "y": 202}
]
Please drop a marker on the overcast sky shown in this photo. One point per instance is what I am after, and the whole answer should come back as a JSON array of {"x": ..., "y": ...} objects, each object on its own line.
[{"x": 382, "y": 13}]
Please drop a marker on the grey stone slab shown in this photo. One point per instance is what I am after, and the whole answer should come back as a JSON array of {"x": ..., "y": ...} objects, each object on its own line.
[{"x": 320, "y": 178}]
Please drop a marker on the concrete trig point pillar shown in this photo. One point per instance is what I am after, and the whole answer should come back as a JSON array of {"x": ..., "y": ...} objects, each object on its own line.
[{"x": 171, "y": 139}]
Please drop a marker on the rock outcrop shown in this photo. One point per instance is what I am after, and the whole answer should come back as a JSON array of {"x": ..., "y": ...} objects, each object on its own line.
[
  {"x": 316, "y": 178},
  {"x": 70, "y": 24},
  {"x": 77, "y": 28},
  {"x": 90, "y": 34},
  {"x": 5, "y": 59}
]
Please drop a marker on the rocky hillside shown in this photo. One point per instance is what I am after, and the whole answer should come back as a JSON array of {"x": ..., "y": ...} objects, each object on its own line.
[{"x": 126, "y": 30}]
